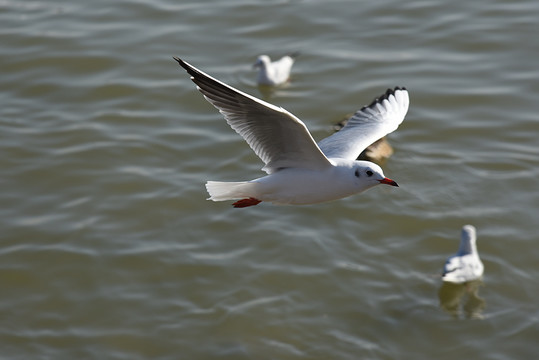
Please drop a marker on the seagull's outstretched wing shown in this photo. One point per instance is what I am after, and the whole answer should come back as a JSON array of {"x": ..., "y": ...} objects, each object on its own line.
[
  {"x": 367, "y": 125},
  {"x": 279, "y": 138}
]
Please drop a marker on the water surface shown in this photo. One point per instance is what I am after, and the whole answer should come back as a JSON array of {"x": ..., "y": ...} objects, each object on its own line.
[{"x": 108, "y": 248}]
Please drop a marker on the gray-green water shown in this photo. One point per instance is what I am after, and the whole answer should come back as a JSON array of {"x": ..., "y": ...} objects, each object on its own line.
[{"x": 109, "y": 250}]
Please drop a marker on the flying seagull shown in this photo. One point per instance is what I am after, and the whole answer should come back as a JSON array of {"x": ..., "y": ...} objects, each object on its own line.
[{"x": 300, "y": 171}]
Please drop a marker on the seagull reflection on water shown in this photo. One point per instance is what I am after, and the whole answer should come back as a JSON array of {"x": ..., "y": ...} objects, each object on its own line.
[{"x": 458, "y": 299}]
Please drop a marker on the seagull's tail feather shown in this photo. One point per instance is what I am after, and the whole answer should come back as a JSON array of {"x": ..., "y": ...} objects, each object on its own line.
[{"x": 222, "y": 191}]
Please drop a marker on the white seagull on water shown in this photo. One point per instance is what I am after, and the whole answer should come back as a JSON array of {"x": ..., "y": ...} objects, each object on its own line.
[
  {"x": 276, "y": 72},
  {"x": 300, "y": 171},
  {"x": 465, "y": 265}
]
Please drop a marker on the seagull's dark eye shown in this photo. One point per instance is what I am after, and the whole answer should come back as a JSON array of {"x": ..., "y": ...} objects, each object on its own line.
[
  {"x": 357, "y": 173},
  {"x": 369, "y": 173}
]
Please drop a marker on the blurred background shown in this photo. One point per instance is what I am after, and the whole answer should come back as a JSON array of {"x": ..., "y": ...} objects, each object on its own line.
[{"x": 109, "y": 250}]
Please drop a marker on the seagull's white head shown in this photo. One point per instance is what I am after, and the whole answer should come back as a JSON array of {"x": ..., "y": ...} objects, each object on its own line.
[
  {"x": 367, "y": 174},
  {"x": 262, "y": 62}
]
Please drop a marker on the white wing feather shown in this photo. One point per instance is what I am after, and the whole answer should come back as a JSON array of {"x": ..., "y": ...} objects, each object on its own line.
[
  {"x": 381, "y": 117},
  {"x": 279, "y": 138}
]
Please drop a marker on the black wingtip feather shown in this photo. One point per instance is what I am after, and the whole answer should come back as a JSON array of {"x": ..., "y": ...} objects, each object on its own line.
[
  {"x": 385, "y": 96},
  {"x": 206, "y": 84},
  {"x": 294, "y": 55},
  {"x": 190, "y": 70},
  {"x": 180, "y": 61}
]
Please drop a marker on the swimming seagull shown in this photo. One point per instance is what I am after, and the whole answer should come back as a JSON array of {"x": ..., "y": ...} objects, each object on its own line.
[
  {"x": 274, "y": 73},
  {"x": 300, "y": 171},
  {"x": 465, "y": 265}
]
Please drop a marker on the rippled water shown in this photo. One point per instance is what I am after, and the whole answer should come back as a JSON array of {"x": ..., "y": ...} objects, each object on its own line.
[{"x": 109, "y": 249}]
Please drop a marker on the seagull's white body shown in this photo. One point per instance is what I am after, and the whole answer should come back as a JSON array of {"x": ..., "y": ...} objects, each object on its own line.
[
  {"x": 465, "y": 265},
  {"x": 299, "y": 186},
  {"x": 300, "y": 171},
  {"x": 273, "y": 73}
]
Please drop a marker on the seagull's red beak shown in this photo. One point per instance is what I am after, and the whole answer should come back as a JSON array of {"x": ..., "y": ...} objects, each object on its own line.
[{"x": 388, "y": 182}]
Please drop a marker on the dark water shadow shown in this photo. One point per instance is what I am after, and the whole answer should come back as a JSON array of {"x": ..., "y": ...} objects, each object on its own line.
[{"x": 462, "y": 300}]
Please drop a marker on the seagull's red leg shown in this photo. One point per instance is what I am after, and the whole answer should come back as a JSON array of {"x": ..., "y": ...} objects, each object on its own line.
[{"x": 246, "y": 202}]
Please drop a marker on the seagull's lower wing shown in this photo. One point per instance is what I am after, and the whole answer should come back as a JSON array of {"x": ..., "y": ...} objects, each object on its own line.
[
  {"x": 279, "y": 138},
  {"x": 451, "y": 265},
  {"x": 381, "y": 117}
]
